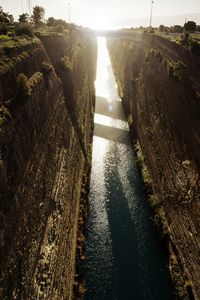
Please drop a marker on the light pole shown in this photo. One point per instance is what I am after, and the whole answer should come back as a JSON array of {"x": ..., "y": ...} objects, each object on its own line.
[
  {"x": 152, "y": 2},
  {"x": 69, "y": 13},
  {"x": 29, "y": 7},
  {"x": 22, "y": 3}
]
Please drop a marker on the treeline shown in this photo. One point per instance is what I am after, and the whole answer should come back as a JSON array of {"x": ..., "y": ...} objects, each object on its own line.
[
  {"x": 189, "y": 26},
  {"x": 27, "y": 24}
]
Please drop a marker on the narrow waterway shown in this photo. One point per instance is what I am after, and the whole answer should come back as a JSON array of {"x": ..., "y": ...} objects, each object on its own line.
[{"x": 125, "y": 259}]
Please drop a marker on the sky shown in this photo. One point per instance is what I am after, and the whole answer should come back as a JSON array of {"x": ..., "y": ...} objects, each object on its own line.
[{"x": 112, "y": 14}]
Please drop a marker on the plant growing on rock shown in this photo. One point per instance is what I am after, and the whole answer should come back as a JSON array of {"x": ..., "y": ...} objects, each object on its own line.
[
  {"x": 170, "y": 69},
  {"x": 180, "y": 71},
  {"x": 4, "y": 114},
  {"x": 23, "y": 91},
  {"x": 66, "y": 63},
  {"x": 177, "y": 277},
  {"x": 195, "y": 47},
  {"x": 46, "y": 69}
]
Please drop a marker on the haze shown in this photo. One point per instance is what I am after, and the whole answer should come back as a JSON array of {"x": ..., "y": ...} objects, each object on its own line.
[{"x": 112, "y": 14}]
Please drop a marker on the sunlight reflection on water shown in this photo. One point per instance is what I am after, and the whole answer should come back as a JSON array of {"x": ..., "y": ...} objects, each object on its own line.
[{"x": 105, "y": 74}]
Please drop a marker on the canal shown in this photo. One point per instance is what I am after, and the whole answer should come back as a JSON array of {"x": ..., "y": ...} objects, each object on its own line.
[{"x": 125, "y": 258}]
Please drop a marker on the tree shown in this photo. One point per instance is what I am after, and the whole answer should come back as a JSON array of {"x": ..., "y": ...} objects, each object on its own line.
[
  {"x": 190, "y": 26},
  {"x": 23, "y": 18},
  {"x": 51, "y": 21},
  {"x": 5, "y": 17},
  {"x": 38, "y": 14},
  {"x": 57, "y": 22},
  {"x": 178, "y": 29},
  {"x": 161, "y": 28},
  {"x": 11, "y": 18}
]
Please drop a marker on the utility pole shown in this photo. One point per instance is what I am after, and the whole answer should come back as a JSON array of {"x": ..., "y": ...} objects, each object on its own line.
[
  {"x": 152, "y": 2},
  {"x": 69, "y": 13},
  {"x": 22, "y": 3},
  {"x": 29, "y": 7}
]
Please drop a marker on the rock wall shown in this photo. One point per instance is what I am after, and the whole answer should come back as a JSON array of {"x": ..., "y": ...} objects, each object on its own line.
[
  {"x": 77, "y": 76},
  {"x": 42, "y": 164},
  {"x": 159, "y": 84}
]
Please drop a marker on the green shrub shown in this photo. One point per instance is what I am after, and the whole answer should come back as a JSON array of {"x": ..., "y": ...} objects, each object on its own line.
[
  {"x": 152, "y": 30},
  {"x": 195, "y": 47},
  {"x": 24, "y": 29},
  {"x": 154, "y": 53},
  {"x": 46, "y": 68},
  {"x": 66, "y": 63},
  {"x": 59, "y": 29},
  {"x": 185, "y": 37},
  {"x": 4, "y": 114},
  {"x": 180, "y": 71},
  {"x": 3, "y": 28},
  {"x": 23, "y": 91},
  {"x": 34, "y": 80},
  {"x": 170, "y": 68}
]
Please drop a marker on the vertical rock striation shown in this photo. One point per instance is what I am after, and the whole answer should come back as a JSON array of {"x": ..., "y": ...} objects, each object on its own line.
[
  {"x": 159, "y": 84},
  {"x": 42, "y": 163}
]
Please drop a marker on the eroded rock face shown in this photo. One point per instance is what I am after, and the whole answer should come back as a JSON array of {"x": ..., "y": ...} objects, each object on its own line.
[
  {"x": 159, "y": 84},
  {"x": 42, "y": 164}
]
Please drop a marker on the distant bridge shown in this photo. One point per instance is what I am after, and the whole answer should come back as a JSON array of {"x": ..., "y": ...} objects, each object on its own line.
[{"x": 136, "y": 35}]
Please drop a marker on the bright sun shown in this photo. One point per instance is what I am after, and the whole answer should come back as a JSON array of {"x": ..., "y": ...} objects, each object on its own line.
[{"x": 98, "y": 20}]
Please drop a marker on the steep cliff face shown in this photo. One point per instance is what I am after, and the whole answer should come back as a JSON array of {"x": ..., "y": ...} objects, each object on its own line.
[
  {"x": 159, "y": 84},
  {"x": 76, "y": 74},
  {"x": 42, "y": 164}
]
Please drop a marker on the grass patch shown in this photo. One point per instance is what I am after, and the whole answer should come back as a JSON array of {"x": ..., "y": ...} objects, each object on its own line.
[
  {"x": 4, "y": 37},
  {"x": 14, "y": 51},
  {"x": 18, "y": 42}
]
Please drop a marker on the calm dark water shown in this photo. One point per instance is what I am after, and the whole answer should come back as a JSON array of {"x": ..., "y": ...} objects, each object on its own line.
[{"x": 125, "y": 259}]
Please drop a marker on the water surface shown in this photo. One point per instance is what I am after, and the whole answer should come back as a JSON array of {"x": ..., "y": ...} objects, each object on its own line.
[{"x": 125, "y": 259}]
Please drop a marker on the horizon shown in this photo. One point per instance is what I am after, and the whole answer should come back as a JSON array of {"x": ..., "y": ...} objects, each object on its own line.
[{"x": 99, "y": 15}]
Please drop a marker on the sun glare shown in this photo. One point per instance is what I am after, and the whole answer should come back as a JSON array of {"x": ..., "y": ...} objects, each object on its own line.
[{"x": 98, "y": 19}]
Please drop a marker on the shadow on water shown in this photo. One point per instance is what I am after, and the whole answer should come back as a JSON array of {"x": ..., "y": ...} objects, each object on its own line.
[
  {"x": 113, "y": 134},
  {"x": 140, "y": 259}
]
